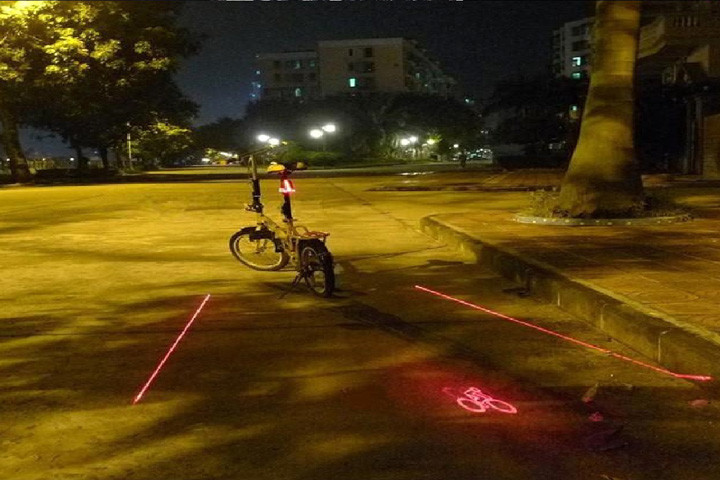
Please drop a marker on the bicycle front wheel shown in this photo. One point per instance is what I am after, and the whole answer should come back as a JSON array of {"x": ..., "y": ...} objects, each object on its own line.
[
  {"x": 316, "y": 265},
  {"x": 259, "y": 254}
]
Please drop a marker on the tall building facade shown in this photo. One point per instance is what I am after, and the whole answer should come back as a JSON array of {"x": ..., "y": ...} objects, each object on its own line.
[
  {"x": 353, "y": 67},
  {"x": 571, "y": 49},
  {"x": 287, "y": 75}
]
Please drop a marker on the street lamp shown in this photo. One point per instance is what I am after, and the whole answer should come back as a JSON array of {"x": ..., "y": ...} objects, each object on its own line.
[
  {"x": 262, "y": 138},
  {"x": 319, "y": 133}
]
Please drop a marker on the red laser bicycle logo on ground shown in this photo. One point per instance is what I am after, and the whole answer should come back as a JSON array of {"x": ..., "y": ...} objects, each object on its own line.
[{"x": 475, "y": 400}]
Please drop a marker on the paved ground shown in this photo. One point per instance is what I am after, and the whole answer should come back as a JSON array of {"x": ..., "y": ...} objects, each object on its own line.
[
  {"x": 99, "y": 280},
  {"x": 669, "y": 272}
]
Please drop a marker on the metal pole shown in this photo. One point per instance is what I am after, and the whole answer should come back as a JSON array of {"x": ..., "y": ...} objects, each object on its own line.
[{"x": 129, "y": 146}]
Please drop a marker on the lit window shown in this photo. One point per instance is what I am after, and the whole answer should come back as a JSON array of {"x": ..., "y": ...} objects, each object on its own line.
[
  {"x": 298, "y": 92},
  {"x": 576, "y": 61},
  {"x": 352, "y": 82},
  {"x": 576, "y": 75},
  {"x": 573, "y": 108}
]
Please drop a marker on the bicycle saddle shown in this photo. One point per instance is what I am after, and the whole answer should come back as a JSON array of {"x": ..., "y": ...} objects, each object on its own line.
[{"x": 275, "y": 167}]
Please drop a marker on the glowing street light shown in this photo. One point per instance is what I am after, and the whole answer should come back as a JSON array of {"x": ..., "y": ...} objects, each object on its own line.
[
  {"x": 413, "y": 139},
  {"x": 263, "y": 138},
  {"x": 274, "y": 142},
  {"x": 329, "y": 128},
  {"x": 316, "y": 133},
  {"x": 404, "y": 142}
]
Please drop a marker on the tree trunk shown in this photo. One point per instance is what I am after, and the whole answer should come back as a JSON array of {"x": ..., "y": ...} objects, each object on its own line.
[
  {"x": 10, "y": 137},
  {"x": 82, "y": 162},
  {"x": 104, "y": 157},
  {"x": 603, "y": 177}
]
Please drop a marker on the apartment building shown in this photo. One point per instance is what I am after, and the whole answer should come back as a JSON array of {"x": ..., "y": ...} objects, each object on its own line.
[
  {"x": 571, "y": 49},
  {"x": 287, "y": 75},
  {"x": 353, "y": 67}
]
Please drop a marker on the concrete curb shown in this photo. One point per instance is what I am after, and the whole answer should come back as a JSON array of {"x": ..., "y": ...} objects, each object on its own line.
[{"x": 667, "y": 341}]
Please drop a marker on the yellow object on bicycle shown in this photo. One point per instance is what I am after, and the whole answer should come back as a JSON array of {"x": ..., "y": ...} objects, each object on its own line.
[{"x": 275, "y": 167}]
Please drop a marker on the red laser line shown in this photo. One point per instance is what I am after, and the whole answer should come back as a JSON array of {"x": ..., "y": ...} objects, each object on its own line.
[
  {"x": 701, "y": 378},
  {"x": 169, "y": 352}
]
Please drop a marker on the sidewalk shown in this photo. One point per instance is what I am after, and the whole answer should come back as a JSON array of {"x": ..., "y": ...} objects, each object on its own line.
[{"x": 654, "y": 288}]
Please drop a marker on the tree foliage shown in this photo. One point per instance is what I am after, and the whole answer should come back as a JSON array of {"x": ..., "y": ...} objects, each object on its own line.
[
  {"x": 162, "y": 144},
  {"x": 534, "y": 111},
  {"x": 85, "y": 69},
  {"x": 225, "y": 134},
  {"x": 367, "y": 125}
]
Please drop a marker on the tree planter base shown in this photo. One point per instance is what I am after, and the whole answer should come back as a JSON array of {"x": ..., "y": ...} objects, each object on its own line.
[{"x": 602, "y": 222}]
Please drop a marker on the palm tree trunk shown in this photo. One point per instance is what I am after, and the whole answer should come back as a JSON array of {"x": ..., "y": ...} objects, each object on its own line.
[
  {"x": 10, "y": 137},
  {"x": 603, "y": 177}
]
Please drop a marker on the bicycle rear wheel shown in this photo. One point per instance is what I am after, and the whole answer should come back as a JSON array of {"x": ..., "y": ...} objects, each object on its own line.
[
  {"x": 316, "y": 264},
  {"x": 471, "y": 405},
  {"x": 501, "y": 406},
  {"x": 259, "y": 253}
]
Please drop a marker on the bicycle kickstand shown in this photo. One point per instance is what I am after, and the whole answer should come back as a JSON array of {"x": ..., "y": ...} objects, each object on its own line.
[{"x": 295, "y": 283}]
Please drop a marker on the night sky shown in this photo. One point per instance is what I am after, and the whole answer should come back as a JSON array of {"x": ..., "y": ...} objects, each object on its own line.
[{"x": 478, "y": 42}]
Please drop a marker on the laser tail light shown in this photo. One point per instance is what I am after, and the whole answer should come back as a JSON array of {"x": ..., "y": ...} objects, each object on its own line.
[
  {"x": 139, "y": 396},
  {"x": 287, "y": 187}
]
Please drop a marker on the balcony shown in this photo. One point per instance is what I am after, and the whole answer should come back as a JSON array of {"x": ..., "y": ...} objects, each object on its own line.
[{"x": 670, "y": 38}]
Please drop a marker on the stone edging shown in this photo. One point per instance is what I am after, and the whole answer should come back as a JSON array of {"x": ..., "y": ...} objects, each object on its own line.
[
  {"x": 647, "y": 332},
  {"x": 602, "y": 222}
]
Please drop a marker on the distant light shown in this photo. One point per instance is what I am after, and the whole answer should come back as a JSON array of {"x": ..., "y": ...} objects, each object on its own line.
[
  {"x": 330, "y": 128},
  {"x": 316, "y": 133},
  {"x": 413, "y": 139},
  {"x": 205, "y": 160},
  {"x": 274, "y": 142},
  {"x": 257, "y": 72},
  {"x": 352, "y": 82},
  {"x": 404, "y": 142},
  {"x": 456, "y": 146},
  {"x": 263, "y": 138},
  {"x": 430, "y": 141}
]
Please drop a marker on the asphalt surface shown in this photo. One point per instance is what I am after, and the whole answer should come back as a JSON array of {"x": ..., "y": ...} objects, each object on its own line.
[{"x": 101, "y": 280}]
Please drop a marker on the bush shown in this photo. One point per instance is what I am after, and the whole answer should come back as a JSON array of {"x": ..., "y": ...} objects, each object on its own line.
[{"x": 313, "y": 158}]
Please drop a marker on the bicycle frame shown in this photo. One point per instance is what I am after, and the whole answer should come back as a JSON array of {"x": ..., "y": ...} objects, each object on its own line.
[{"x": 290, "y": 235}]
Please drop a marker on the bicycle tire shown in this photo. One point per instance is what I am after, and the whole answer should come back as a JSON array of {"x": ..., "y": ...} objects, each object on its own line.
[
  {"x": 316, "y": 264},
  {"x": 500, "y": 406},
  {"x": 473, "y": 406},
  {"x": 258, "y": 254}
]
